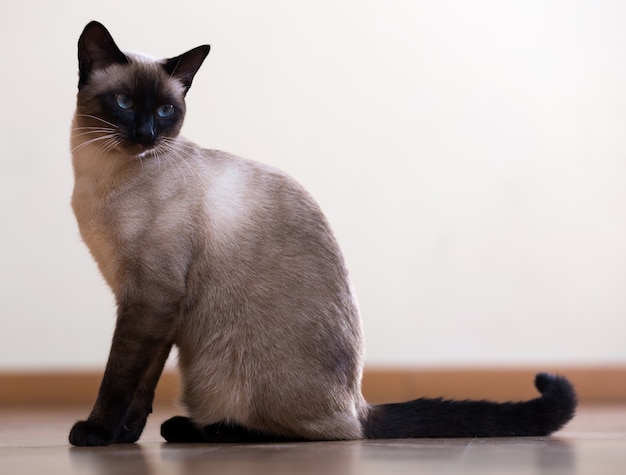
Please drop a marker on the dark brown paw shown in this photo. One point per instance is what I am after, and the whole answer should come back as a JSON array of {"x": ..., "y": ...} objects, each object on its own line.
[
  {"x": 180, "y": 429},
  {"x": 131, "y": 430},
  {"x": 86, "y": 433}
]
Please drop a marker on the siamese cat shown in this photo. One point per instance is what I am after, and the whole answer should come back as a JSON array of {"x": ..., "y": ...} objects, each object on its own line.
[{"x": 234, "y": 263}]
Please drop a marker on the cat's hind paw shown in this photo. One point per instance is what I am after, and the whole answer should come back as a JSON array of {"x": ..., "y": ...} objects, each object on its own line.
[{"x": 181, "y": 430}]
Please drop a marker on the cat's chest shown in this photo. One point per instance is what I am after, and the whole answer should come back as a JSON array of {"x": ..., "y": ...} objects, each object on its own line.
[
  {"x": 112, "y": 214},
  {"x": 129, "y": 223}
]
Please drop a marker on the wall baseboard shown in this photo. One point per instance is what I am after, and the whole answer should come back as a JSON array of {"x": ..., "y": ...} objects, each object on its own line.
[{"x": 593, "y": 384}]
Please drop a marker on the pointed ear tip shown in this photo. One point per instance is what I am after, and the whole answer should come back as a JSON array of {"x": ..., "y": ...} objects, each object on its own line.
[
  {"x": 94, "y": 29},
  {"x": 202, "y": 50},
  {"x": 94, "y": 24}
]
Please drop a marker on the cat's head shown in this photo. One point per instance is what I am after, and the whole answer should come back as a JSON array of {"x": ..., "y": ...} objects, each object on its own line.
[{"x": 127, "y": 101}]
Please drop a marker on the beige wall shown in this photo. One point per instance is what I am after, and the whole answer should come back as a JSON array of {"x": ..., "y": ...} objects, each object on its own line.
[{"x": 470, "y": 157}]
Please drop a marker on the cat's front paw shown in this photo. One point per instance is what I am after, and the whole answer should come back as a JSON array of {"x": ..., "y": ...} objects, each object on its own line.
[
  {"x": 86, "y": 433},
  {"x": 131, "y": 430}
]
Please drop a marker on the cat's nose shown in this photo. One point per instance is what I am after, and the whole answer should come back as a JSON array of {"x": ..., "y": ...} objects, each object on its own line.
[{"x": 145, "y": 132}]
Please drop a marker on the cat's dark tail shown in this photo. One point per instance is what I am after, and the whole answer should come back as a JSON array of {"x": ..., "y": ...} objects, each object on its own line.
[{"x": 443, "y": 418}]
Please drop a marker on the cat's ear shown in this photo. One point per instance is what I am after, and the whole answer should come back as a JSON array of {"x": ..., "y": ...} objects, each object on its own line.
[
  {"x": 96, "y": 50},
  {"x": 185, "y": 66}
]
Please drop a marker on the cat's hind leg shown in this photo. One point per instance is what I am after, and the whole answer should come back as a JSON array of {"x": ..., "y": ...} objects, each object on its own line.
[{"x": 181, "y": 430}]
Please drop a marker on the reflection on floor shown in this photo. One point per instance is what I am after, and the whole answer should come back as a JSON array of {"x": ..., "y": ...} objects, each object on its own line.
[{"x": 34, "y": 442}]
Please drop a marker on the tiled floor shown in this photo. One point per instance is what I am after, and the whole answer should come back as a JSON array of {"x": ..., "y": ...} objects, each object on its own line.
[{"x": 34, "y": 442}]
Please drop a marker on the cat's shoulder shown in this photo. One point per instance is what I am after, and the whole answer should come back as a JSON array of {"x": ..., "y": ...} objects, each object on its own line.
[
  {"x": 229, "y": 175},
  {"x": 219, "y": 161}
]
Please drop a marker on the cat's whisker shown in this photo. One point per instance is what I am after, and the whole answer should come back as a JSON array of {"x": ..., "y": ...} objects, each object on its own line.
[
  {"x": 111, "y": 144},
  {"x": 167, "y": 150},
  {"x": 100, "y": 133},
  {"x": 141, "y": 161},
  {"x": 92, "y": 132},
  {"x": 92, "y": 141},
  {"x": 106, "y": 146},
  {"x": 183, "y": 155},
  {"x": 99, "y": 126},
  {"x": 162, "y": 151},
  {"x": 183, "y": 147},
  {"x": 95, "y": 117},
  {"x": 93, "y": 128}
]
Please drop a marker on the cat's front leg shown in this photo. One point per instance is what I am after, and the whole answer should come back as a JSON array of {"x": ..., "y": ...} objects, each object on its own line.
[
  {"x": 141, "y": 342},
  {"x": 141, "y": 407}
]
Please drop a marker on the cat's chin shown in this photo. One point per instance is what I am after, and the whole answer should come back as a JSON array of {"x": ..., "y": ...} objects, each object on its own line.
[
  {"x": 145, "y": 153},
  {"x": 140, "y": 151}
]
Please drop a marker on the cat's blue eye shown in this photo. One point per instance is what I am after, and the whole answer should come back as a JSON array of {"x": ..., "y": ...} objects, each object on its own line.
[
  {"x": 165, "y": 111},
  {"x": 123, "y": 101}
]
